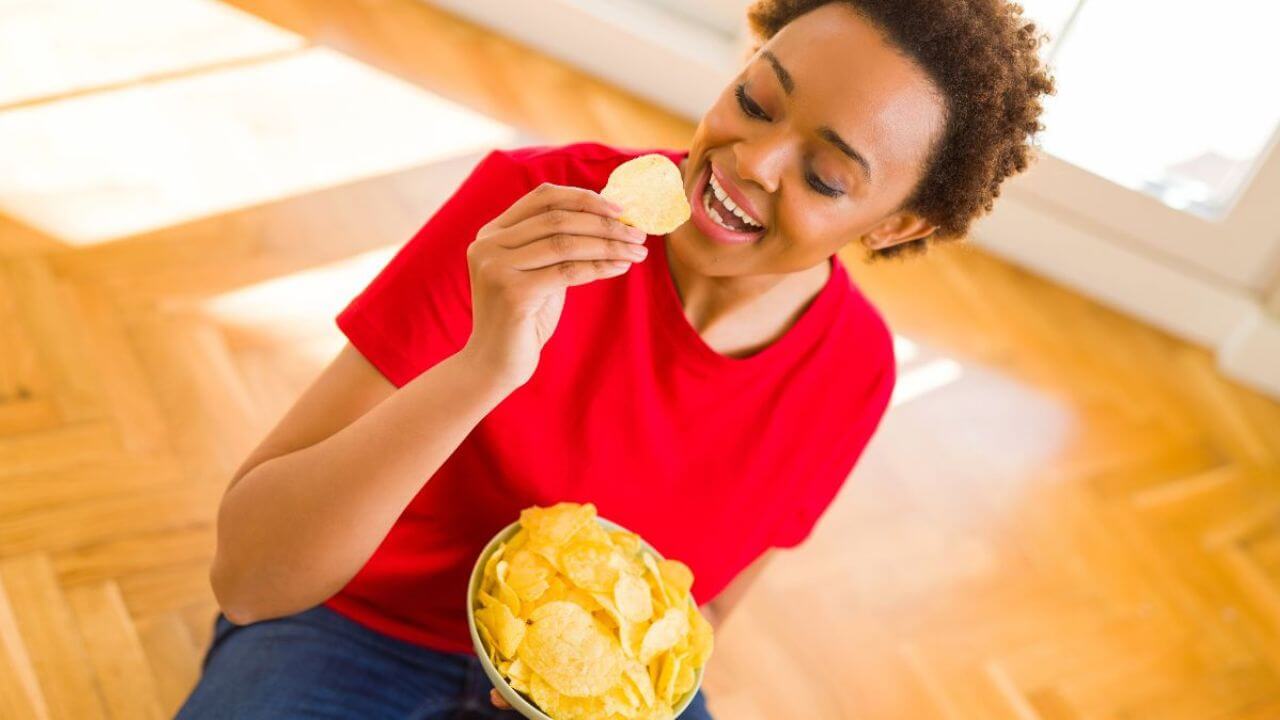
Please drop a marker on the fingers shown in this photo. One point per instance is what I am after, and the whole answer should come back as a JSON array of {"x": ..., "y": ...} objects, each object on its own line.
[
  {"x": 561, "y": 237},
  {"x": 497, "y": 700},
  {"x": 568, "y": 222},
  {"x": 563, "y": 247},
  {"x": 574, "y": 272},
  {"x": 548, "y": 196}
]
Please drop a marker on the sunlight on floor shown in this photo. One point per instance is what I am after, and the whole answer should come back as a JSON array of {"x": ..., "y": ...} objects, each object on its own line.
[
  {"x": 970, "y": 413},
  {"x": 300, "y": 307},
  {"x": 54, "y": 47},
  {"x": 109, "y": 164},
  {"x": 916, "y": 380}
]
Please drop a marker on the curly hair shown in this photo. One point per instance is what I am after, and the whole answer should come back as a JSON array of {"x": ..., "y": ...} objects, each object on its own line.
[{"x": 982, "y": 56}]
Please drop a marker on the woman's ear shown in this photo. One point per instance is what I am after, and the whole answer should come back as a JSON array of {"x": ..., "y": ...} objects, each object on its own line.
[{"x": 902, "y": 226}]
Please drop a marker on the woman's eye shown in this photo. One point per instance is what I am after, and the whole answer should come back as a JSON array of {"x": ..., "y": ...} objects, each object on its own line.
[
  {"x": 753, "y": 110},
  {"x": 749, "y": 106},
  {"x": 821, "y": 186}
]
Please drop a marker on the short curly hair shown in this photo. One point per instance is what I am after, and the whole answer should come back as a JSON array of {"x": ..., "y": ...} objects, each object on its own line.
[{"x": 982, "y": 55}]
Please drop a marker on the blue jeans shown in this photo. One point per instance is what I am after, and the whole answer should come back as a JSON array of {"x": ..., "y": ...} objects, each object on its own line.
[{"x": 319, "y": 664}]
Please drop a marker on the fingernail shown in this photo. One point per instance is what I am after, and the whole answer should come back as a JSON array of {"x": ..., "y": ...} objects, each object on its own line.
[
  {"x": 638, "y": 251},
  {"x": 615, "y": 207},
  {"x": 637, "y": 233}
]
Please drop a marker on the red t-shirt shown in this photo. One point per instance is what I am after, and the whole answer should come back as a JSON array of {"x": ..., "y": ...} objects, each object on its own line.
[{"x": 711, "y": 459}]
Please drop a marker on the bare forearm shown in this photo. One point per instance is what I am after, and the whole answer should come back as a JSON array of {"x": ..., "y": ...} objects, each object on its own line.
[
  {"x": 713, "y": 614},
  {"x": 718, "y": 610},
  {"x": 293, "y": 530}
]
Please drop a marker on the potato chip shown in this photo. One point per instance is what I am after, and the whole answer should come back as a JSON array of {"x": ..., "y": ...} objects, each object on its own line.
[
  {"x": 505, "y": 593},
  {"x": 544, "y": 695},
  {"x": 587, "y": 565},
  {"x": 592, "y": 532},
  {"x": 487, "y": 600},
  {"x": 571, "y": 651},
  {"x": 677, "y": 575},
  {"x": 700, "y": 637},
  {"x": 652, "y": 566},
  {"x": 685, "y": 678},
  {"x": 587, "y": 622},
  {"x": 659, "y": 711},
  {"x": 529, "y": 575},
  {"x": 490, "y": 565},
  {"x": 489, "y": 642},
  {"x": 629, "y": 633},
  {"x": 651, "y": 192},
  {"x": 505, "y": 628},
  {"x": 580, "y": 708},
  {"x": 621, "y": 700},
  {"x": 556, "y": 524},
  {"x": 664, "y": 634},
  {"x": 557, "y": 589},
  {"x": 640, "y": 679},
  {"x": 628, "y": 542},
  {"x": 666, "y": 686},
  {"x": 517, "y": 670},
  {"x": 583, "y": 599},
  {"x": 633, "y": 597}
]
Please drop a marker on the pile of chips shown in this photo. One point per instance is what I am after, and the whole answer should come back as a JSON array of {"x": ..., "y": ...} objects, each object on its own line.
[
  {"x": 588, "y": 624},
  {"x": 651, "y": 194}
]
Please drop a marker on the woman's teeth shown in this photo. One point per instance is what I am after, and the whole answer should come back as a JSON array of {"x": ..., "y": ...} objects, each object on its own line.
[
  {"x": 707, "y": 205},
  {"x": 713, "y": 186}
]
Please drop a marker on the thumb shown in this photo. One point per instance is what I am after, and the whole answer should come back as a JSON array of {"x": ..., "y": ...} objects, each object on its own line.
[{"x": 497, "y": 700}]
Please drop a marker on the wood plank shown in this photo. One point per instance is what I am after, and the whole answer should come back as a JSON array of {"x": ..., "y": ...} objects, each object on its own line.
[
  {"x": 115, "y": 651},
  {"x": 174, "y": 659},
  {"x": 56, "y": 651},
  {"x": 20, "y": 695}
]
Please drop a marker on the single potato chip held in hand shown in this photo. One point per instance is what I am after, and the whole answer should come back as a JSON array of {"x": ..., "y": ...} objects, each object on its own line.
[
  {"x": 586, "y": 623},
  {"x": 651, "y": 193}
]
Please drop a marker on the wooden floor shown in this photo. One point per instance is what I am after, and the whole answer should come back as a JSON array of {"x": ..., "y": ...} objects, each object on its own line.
[{"x": 1066, "y": 515}]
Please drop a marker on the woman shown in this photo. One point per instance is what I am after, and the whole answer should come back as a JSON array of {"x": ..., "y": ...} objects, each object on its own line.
[{"x": 523, "y": 348}]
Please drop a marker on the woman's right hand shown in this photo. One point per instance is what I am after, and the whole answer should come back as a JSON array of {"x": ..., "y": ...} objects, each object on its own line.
[{"x": 522, "y": 262}]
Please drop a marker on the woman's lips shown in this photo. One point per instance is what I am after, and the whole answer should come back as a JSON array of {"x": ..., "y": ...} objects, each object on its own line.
[
  {"x": 706, "y": 224},
  {"x": 736, "y": 195}
]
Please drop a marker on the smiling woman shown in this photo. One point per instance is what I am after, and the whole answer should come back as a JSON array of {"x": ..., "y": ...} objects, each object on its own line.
[
  {"x": 981, "y": 64},
  {"x": 713, "y": 398}
]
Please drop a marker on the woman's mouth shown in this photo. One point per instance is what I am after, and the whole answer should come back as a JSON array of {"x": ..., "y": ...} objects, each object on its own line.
[{"x": 717, "y": 215}]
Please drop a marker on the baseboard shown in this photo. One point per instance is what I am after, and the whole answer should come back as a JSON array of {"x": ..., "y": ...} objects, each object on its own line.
[
  {"x": 1174, "y": 298},
  {"x": 1252, "y": 353}
]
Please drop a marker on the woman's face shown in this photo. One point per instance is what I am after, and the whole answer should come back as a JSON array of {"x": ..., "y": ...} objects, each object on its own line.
[{"x": 817, "y": 142}]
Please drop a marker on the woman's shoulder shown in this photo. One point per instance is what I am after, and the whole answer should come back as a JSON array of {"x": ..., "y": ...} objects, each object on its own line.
[{"x": 862, "y": 330}]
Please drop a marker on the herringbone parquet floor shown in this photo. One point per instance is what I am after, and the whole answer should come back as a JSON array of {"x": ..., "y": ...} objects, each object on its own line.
[{"x": 1067, "y": 515}]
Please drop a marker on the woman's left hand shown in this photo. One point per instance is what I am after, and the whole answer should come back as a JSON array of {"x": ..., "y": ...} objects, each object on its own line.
[{"x": 497, "y": 700}]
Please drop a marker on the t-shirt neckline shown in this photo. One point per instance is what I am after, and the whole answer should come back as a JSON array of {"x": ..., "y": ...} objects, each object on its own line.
[{"x": 808, "y": 328}]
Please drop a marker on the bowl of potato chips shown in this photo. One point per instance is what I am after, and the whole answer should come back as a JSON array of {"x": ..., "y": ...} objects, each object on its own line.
[{"x": 575, "y": 617}]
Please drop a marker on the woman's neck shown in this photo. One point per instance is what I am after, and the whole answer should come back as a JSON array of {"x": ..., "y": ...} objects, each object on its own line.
[{"x": 740, "y": 315}]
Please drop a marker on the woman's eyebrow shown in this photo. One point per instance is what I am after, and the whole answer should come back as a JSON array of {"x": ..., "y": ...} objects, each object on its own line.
[
  {"x": 784, "y": 77},
  {"x": 831, "y": 136}
]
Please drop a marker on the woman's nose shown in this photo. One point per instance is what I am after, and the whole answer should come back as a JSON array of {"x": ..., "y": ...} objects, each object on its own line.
[{"x": 761, "y": 160}]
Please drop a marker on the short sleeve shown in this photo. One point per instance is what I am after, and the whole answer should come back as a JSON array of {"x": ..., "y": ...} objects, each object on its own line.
[
  {"x": 417, "y": 310},
  {"x": 817, "y": 493}
]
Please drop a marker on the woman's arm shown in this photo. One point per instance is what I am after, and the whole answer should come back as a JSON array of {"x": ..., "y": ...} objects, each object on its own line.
[
  {"x": 310, "y": 505},
  {"x": 718, "y": 610}
]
